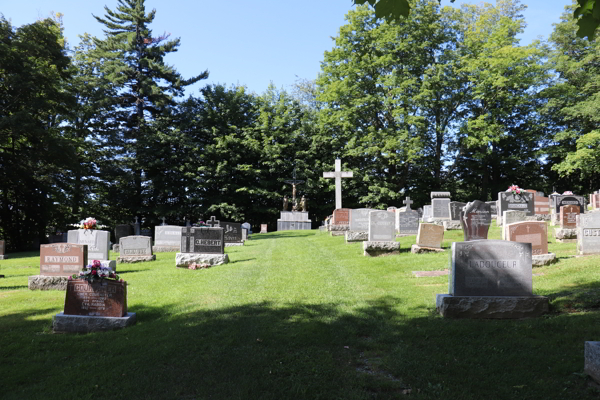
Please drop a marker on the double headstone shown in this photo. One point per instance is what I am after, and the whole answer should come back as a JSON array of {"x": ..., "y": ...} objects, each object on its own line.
[
  {"x": 519, "y": 202},
  {"x": 58, "y": 261},
  {"x": 201, "y": 245},
  {"x": 588, "y": 234},
  {"x": 476, "y": 220},
  {"x": 382, "y": 234},
  {"x": 490, "y": 279},
  {"x": 135, "y": 249}
]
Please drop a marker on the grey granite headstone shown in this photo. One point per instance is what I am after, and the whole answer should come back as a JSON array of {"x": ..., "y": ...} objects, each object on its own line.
[
  {"x": 491, "y": 268},
  {"x": 455, "y": 207},
  {"x": 407, "y": 222},
  {"x": 132, "y": 246},
  {"x": 359, "y": 219},
  {"x": 427, "y": 212},
  {"x": 202, "y": 240},
  {"x": 521, "y": 202},
  {"x": 588, "y": 233},
  {"x": 167, "y": 237},
  {"x": 476, "y": 220},
  {"x": 510, "y": 217},
  {"x": 97, "y": 241},
  {"x": 382, "y": 226},
  {"x": 440, "y": 208}
]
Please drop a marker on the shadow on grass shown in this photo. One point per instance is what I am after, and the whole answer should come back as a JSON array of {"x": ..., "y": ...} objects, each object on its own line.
[
  {"x": 269, "y": 350},
  {"x": 245, "y": 259},
  {"x": 127, "y": 271},
  {"x": 24, "y": 254},
  {"x": 13, "y": 287}
]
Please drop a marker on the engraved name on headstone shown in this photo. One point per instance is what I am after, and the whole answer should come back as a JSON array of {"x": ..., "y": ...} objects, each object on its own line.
[
  {"x": 476, "y": 220},
  {"x": 102, "y": 299},
  {"x": 382, "y": 226},
  {"x": 62, "y": 259},
  {"x": 520, "y": 202},
  {"x": 568, "y": 216},
  {"x": 341, "y": 216},
  {"x": 132, "y": 246}
]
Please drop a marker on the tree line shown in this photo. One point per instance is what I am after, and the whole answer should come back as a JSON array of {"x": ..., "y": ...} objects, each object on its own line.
[{"x": 445, "y": 99}]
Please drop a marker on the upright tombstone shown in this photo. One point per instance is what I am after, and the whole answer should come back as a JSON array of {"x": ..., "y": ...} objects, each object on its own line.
[
  {"x": 96, "y": 240},
  {"x": 201, "y": 245},
  {"x": 167, "y": 238},
  {"x": 263, "y": 228},
  {"x": 476, "y": 220},
  {"x": 407, "y": 222},
  {"x": 340, "y": 221},
  {"x": 248, "y": 227},
  {"x": 427, "y": 213},
  {"x": 121, "y": 231},
  {"x": 137, "y": 227},
  {"x": 566, "y": 200},
  {"x": 518, "y": 202},
  {"x": 510, "y": 217},
  {"x": 536, "y": 233},
  {"x": 382, "y": 234},
  {"x": 588, "y": 234},
  {"x": 455, "y": 208},
  {"x": 232, "y": 234},
  {"x": 542, "y": 204},
  {"x": 58, "y": 261},
  {"x": 567, "y": 233},
  {"x": 490, "y": 279},
  {"x": 338, "y": 174},
  {"x": 359, "y": 225},
  {"x": 135, "y": 249},
  {"x": 429, "y": 239},
  {"x": 2, "y": 250},
  {"x": 439, "y": 204},
  {"x": 493, "y": 208}
]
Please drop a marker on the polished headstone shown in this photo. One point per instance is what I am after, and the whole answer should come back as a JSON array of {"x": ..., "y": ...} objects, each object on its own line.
[
  {"x": 382, "y": 226},
  {"x": 476, "y": 220},
  {"x": 202, "y": 240},
  {"x": 96, "y": 240},
  {"x": 455, "y": 208},
  {"x": 534, "y": 232},
  {"x": 568, "y": 216},
  {"x": 62, "y": 259},
  {"x": 520, "y": 202}
]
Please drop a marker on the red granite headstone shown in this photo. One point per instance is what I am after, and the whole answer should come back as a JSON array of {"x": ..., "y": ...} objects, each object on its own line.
[
  {"x": 104, "y": 298},
  {"x": 62, "y": 259},
  {"x": 534, "y": 232},
  {"x": 568, "y": 216},
  {"x": 341, "y": 216}
]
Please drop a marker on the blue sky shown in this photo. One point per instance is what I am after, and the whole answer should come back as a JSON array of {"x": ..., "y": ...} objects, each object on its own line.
[{"x": 243, "y": 42}]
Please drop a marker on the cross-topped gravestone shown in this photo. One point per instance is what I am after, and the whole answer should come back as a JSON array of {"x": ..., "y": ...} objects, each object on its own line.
[
  {"x": 212, "y": 222},
  {"x": 163, "y": 223},
  {"x": 407, "y": 202},
  {"x": 338, "y": 174}
]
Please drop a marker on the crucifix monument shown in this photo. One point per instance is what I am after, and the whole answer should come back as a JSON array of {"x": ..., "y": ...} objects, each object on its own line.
[
  {"x": 293, "y": 182},
  {"x": 338, "y": 174}
]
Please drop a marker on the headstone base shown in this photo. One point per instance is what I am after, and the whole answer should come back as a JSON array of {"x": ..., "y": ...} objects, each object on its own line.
[
  {"x": 135, "y": 259},
  {"x": 42, "y": 282},
  {"x": 337, "y": 233},
  {"x": 185, "y": 259},
  {"x": 416, "y": 249},
  {"x": 165, "y": 249},
  {"x": 538, "y": 217},
  {"x": 493, "y": 307},
  {"x": 233, "y": 244},
  {"x": 116, "y": 248},
  {"x": 284, "y": 225},
  {"x": 564, "y": 234},
  {"x": 451, "y": 225},
  {"x": 356, "y": 236},
  {"x": 2, "y": 257},
  {"x": 439, "y": 221},
  {"x": 337, "y": 228},
  {"x": 84, "y": 323},
  {"x": 376, "y": 249},
  {"x": 592, "y": 360},
  {"x": 539, "y": 260},
  {"x": 405, "y": 234},
  {"x": 566, "y": 240}
]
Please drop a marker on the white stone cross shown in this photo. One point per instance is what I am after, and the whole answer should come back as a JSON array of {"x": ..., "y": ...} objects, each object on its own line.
[
  {"x": 408, "y": 202},
  {"x": 338, "y": 174}
]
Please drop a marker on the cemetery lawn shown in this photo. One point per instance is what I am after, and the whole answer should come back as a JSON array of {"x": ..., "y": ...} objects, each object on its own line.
[{"x": 301, "y": 315}]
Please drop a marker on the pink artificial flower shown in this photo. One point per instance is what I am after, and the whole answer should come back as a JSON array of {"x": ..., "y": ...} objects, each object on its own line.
[
  {"x": 94, "y": 272},
  {"x": 97, "y": 264}
]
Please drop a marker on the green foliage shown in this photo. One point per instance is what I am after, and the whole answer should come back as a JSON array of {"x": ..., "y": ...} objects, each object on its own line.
[{"x": 587, "y": 15}]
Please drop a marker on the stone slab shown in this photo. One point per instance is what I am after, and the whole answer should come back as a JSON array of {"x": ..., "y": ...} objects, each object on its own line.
[
  {"x": 416, "y": 249},
  {"x": 382, "y": 226},
  {"x": 185, "y": 259},
  {"x": 62, "y": 259},
  {"x": 359, "y": 219},
  {"x": 491, "y": 307},
  {"x": 135, "y": 259},
  {"x": 455, "y": 207},
  {"x": 452, "y": 225},
  {"x": 407, "y": 222},
  {"x": 233, "y": 244},
  {"x": 509, "y": 217},
  {"x": 104, "y": 298},
  {"x": 337, "y": 233},
  {"x": 84, "y": 323},
  {"x": 592, "y": 360},
  {"x": 539, "y": 260},
  {"x": 376, "y": 249},
  {"x": 352, "y": 236},
  {"x": 167, "y": 236},
  {"x": 475, "y": 220},
  {"x": 533, "y": 232},
  {"x": 41, "y": 282},
  {"x": 588, "y": 234},
  {"x": 430, "y": 235},
  {"x": 523, "y": 202},
  {"x": 440, "y": 208}
]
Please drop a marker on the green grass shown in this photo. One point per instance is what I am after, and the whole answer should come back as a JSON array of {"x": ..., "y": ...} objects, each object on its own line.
[{"x": 301, "y": 315}]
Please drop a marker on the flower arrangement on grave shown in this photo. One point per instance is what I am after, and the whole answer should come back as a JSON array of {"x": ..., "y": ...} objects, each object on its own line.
[
  {"x": 515, "y": 189},
  {"x": 96, "y": 272},
  {"x": 200, "y": 223},
  {"x": 89, "y": 223},
  {"x": 199, "y": 266},
  {"x": 568, "y": 193}
]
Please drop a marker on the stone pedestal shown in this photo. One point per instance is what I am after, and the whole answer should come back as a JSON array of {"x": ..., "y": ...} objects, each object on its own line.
[
  {"x": 592, "y": 360},
  {"x": 42, "y": 282},
  {"x": 376, "y": 249},
  {"x": 451, "y": 225},
  {"x": 135, "y": 259},
  {"x": 416, "y": 249},
  {"x": 293, "y": 220},
  {"x": 539, "y": 260},
  {"x": 356, "y": 236},
  {"x": 83, "y": 323},
  {"x": 565, "y": 235},
  {"x": 185, "y": 259},
  {"x": 493, "y": 307}
]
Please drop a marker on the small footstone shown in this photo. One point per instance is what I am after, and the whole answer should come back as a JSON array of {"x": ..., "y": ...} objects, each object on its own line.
[
  {"x": 416, "y": 249},
  {"x": 376, "y": 249},
  {"x": 135, "y": 259},
  {"x": 183, "y": 260},
  {"x": 84, "y": 323},
  {"x": 356, "y": 236},
  {"x": 493, "y": 307},
  {"x": 233, "y": 244},
  {"x": 538, "y": 260},
  {"x": 427, "y": 274},
  {"x": 41, "y": 282},
  {"x": 452, "y": 225},
  {"x": 565, "y": 234},
  {"x": 592, "y": 360}
]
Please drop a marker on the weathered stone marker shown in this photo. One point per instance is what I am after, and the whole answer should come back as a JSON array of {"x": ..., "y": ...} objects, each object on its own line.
[{"x": 135, "y": 249}]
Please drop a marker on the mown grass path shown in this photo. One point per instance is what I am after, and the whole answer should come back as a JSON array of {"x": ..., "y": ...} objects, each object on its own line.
[{"x": 300, "y": 315}]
